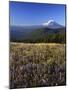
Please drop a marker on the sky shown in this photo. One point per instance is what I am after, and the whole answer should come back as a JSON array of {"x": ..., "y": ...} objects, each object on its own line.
[{"x": 25, "y": 14}]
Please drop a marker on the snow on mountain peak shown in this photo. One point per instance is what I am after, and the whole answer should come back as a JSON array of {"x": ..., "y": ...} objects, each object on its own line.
[
  {"x": 49, "y": 22},
  {"x": 52, "y": 24}
]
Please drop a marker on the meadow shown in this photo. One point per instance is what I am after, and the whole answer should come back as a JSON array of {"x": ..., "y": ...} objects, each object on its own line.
[{"x": 37, "y": 65}]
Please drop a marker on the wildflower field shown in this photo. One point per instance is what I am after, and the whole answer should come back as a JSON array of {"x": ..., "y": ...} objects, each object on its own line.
[{"x": 37, "y": 65}]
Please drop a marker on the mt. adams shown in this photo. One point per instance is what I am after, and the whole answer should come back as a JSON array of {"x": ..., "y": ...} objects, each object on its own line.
[{"x": 52, "y": 25}]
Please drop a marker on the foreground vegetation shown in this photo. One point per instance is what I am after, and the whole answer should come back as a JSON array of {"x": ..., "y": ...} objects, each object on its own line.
[{"x": 34, "y": 65}]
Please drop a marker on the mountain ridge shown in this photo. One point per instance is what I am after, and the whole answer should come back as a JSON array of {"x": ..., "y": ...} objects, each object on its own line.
[{"x": 38, "y": 33}]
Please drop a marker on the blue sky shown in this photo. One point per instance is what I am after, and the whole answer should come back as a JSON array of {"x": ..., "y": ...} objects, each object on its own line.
[{"x": 24, "y": 14}]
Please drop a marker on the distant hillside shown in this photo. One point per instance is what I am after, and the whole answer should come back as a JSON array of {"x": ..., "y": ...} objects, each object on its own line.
[
  {"x": 48, "y": 33},
  {"x": 40, "y": 35}
]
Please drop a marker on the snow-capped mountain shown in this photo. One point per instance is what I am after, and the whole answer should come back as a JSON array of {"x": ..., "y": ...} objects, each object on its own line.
[
  {"x": 52, "y": 25},
  {"x": 35, "y": 33}
]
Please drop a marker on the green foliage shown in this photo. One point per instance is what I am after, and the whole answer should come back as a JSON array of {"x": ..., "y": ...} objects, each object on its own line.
[{"x": 44, "y": 36}]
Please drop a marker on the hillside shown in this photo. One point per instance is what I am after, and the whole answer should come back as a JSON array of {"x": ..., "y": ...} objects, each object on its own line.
[
  {"x": 47, "y": 32},
  {"x": 39, "y": 35}
]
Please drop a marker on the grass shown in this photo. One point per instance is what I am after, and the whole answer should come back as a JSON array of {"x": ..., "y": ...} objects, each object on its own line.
[{"x": 37, "y": 65}]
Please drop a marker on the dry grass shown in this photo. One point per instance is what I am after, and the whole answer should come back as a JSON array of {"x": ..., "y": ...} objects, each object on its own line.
[{"x": 33, "y": 65}]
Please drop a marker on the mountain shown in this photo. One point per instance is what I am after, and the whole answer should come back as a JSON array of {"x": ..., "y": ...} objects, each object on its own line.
[
  {"x": 52, "y": 25},
  {"x": 47, "y": 32},
  {"x": 47, "y": 35}
]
